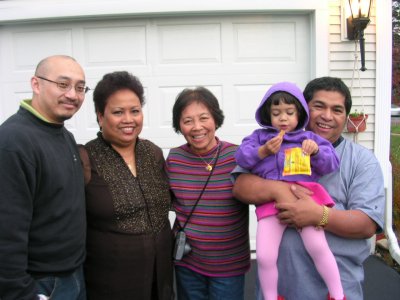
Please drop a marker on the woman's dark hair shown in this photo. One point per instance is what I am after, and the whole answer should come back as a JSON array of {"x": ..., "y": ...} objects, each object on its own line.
[
  {"x": 201, "y": 95},
  {"x": 275, "y": 99},
  {"x": 114, "y": 82},
  {"x": 331, "y": 84}
]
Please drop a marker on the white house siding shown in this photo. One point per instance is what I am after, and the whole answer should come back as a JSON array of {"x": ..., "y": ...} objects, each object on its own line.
[{"x": 341, "y": 56}]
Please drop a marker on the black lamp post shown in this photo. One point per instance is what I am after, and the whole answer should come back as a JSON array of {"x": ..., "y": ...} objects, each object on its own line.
[{"x": 357, "y": 22}]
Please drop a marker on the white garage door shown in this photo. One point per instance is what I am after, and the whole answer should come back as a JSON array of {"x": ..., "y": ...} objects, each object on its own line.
[{"x": 237, "y": 57}]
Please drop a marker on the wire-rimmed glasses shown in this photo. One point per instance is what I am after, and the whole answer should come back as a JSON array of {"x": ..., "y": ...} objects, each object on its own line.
[{"x": 67, "y": 86}]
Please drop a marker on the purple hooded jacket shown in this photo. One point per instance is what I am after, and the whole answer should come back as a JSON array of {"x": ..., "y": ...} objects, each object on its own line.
[{"x": 271, "y": 167}]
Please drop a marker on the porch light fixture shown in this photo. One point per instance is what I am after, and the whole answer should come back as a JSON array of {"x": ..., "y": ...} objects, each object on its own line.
[{"x": 357, "y": 22}]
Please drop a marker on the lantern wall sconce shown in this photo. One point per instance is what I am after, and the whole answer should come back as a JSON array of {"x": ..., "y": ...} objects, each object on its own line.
[{"x": 356, "y": 24}]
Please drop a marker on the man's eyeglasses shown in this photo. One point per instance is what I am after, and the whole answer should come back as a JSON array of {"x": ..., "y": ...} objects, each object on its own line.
[{"x": 66, "y": 86}]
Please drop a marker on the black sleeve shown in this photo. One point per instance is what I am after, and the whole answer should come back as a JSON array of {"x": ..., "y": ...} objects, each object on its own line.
[{"x": 16, "y": 207}]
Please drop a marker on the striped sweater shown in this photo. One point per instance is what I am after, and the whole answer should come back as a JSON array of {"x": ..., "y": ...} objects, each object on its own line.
[{"x": 218, "y": 229}]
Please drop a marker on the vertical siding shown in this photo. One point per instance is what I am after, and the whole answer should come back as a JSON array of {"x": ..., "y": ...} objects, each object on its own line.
[{"x": 341, "y": 57}]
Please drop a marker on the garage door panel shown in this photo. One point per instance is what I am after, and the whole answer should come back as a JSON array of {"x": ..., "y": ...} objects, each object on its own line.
[
  {"x": 162, "y": 112},
  {"x": 265, "y": 42},
  {"x": 247, "y": 99},
  {"x": 243, "y": 96},
  {"x": 83, "y": 122},
  {"x": 39, "y": 44},
  {"x": 189, "y": 44},
  {"x": 275, "y": 44},
  {"x": 16, "y": 100},
  {"x": 87, "y": 114},
  {"x": 72, "y": 125},
  {"x": 12, "y": 94},
  {"x": 167, "y": 99},
  {"x": 119, "y": 45},
  {"x": 146, "y": 109}
]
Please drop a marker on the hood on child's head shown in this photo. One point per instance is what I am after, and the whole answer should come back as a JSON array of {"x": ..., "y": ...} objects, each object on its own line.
[{"x": 289, "y": 88}]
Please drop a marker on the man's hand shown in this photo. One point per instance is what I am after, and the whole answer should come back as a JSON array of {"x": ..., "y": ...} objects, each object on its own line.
[{"x": 303, "y": 212}]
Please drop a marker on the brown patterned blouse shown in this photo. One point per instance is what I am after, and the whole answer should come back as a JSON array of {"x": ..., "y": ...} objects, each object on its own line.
[{"x": 129, "y": 240}]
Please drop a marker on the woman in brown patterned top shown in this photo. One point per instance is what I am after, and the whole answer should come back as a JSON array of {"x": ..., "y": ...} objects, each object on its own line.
[{"x": 129, "y": 238}]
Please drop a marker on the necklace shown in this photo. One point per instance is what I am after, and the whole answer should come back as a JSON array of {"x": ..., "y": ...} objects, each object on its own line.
[
  {"x": 208, "y": 166},
  {"x": 130, "y": 165}
]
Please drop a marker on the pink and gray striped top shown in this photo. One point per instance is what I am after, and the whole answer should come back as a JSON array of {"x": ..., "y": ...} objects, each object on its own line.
[{"x": 218, "y": 229}]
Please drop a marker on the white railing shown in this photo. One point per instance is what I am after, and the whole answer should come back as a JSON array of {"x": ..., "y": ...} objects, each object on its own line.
[{"x": 393, "y": 244}]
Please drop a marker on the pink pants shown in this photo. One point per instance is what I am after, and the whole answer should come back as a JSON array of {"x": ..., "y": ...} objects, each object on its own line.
[{"x": 269, "y": 236}]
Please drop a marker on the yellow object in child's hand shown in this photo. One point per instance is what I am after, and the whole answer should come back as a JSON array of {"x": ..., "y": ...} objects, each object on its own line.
[
  {"x": 281, "y": 133},
  {"x": 296, "y": 162}
]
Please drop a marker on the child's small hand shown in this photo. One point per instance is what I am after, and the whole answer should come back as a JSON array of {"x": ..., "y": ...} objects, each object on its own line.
[
  {"x": 272, "y": 146},
  {"x": 309, "y": 147}
]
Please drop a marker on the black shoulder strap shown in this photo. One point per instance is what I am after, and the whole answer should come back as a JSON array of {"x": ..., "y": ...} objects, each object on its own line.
[{"x": 202, "y": 191}]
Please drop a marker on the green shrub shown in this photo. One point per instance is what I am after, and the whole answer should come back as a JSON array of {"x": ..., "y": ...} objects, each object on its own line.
[
  {"x": 396, "y": 129},
  {"x": 395, "y": 161}
]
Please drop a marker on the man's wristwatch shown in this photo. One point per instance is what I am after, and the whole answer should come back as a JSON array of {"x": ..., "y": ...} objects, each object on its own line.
[{"x": 324, "y": 219}]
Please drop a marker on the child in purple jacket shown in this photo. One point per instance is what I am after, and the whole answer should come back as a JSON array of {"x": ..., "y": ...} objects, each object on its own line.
[{"x": 283, "y": 150}]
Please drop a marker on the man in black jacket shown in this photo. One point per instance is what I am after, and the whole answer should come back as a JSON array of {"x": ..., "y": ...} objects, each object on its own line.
[{"x": 42, "y": 204}]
